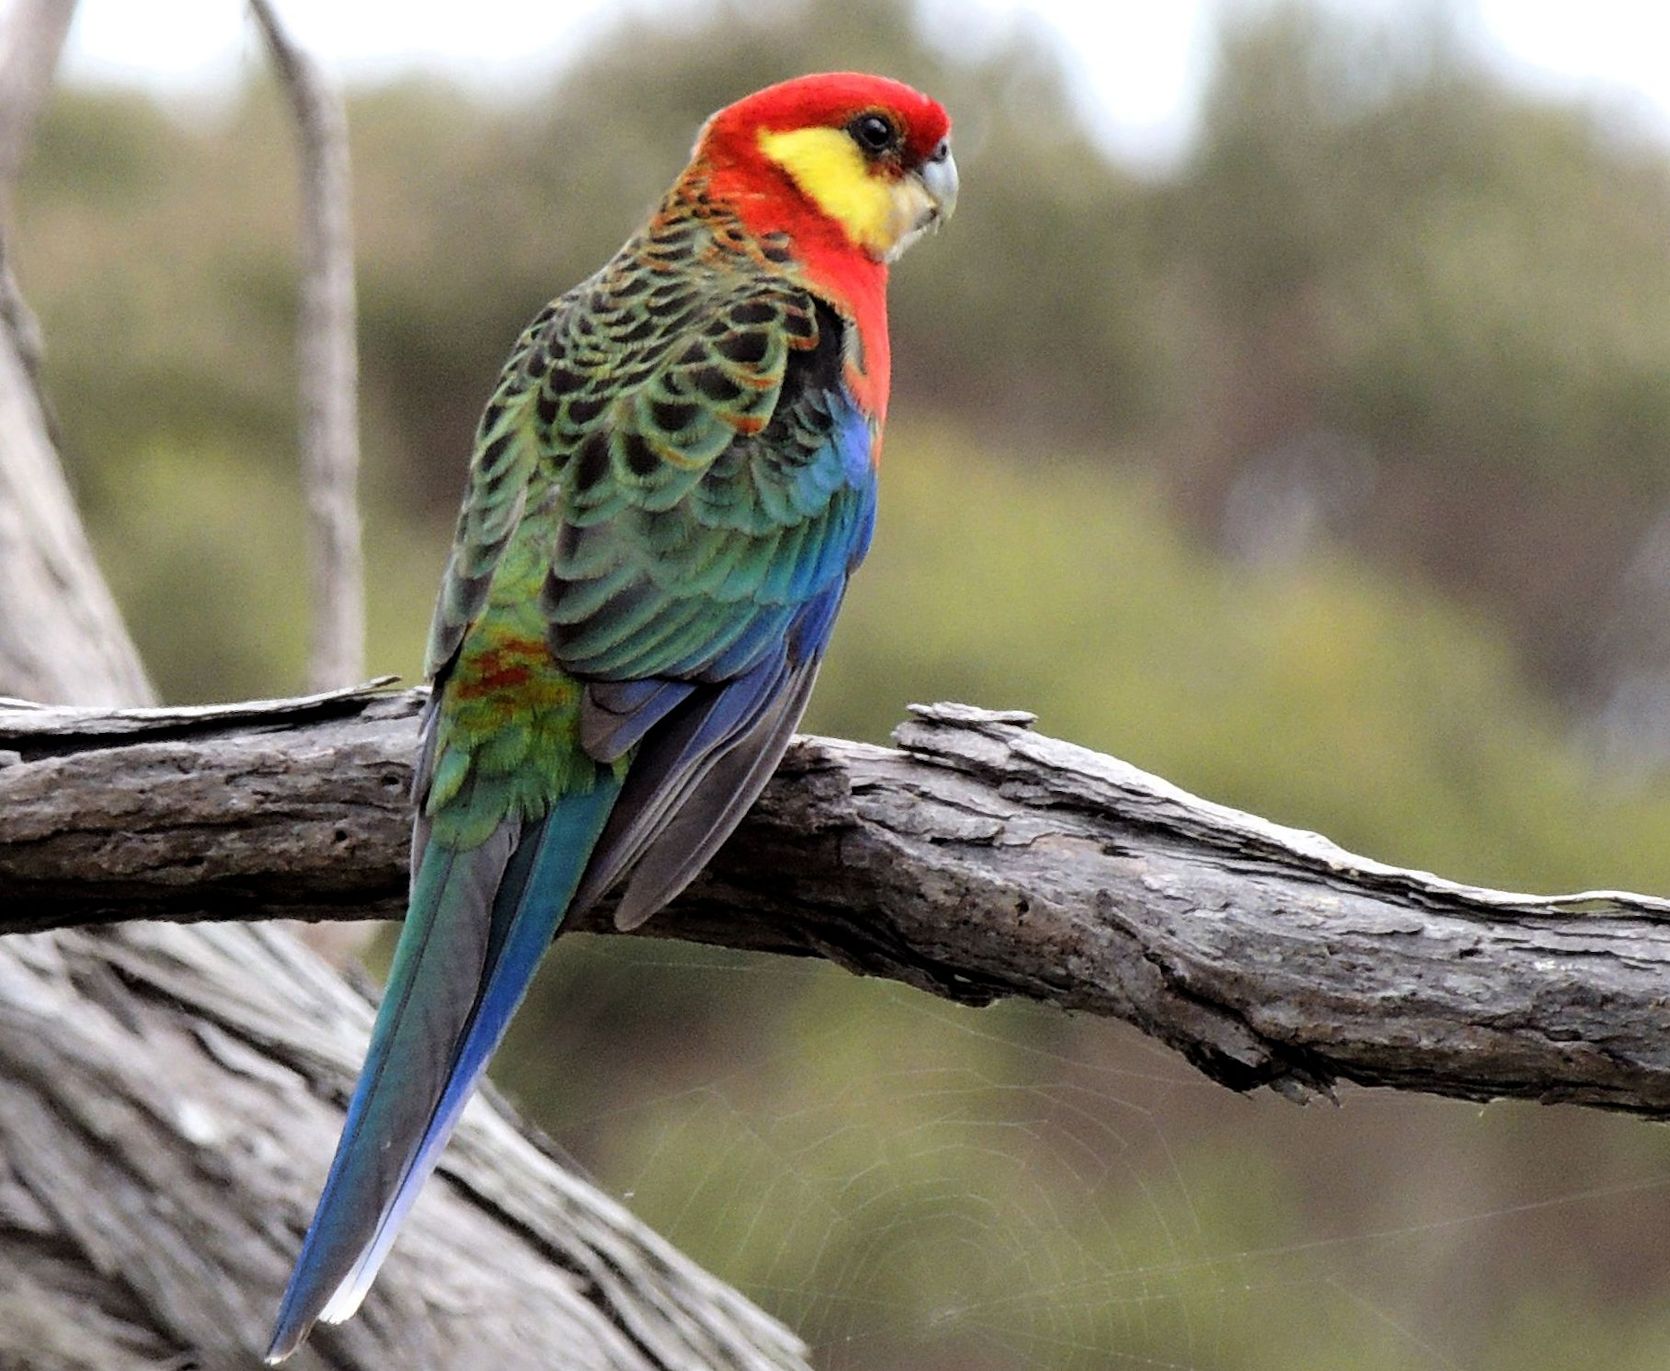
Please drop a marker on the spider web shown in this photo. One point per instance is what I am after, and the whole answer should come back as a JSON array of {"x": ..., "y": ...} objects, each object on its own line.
[{"x": 908, "y": 1183}]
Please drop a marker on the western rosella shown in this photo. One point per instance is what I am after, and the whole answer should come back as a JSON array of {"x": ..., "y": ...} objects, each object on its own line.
[{"x": 671, "y": 485}]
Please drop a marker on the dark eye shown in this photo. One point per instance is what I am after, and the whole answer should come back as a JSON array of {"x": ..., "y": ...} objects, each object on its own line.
[{"x": 873, "y": 132}]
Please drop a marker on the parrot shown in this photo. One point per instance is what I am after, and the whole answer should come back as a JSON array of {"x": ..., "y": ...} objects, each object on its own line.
[{"x": 670, "y": 487}]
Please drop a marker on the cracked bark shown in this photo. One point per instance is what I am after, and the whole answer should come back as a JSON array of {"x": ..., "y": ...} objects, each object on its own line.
[{"x": 976, "y": 860}]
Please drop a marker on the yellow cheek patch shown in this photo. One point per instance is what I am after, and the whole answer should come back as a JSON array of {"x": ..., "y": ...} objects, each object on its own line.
[{"x": 827, "y": 165}]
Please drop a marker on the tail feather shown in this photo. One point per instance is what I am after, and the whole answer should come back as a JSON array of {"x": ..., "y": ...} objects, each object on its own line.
[{"x": 478, "y": 925}]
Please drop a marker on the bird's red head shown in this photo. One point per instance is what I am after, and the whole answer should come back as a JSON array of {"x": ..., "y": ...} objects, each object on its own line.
[
  {"x": 854, "y": 169},
  {"x": 866, "y": 156}
]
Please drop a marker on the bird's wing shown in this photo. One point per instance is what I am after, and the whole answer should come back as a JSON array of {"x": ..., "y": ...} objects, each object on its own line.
[{"x": 707, "y": 533}]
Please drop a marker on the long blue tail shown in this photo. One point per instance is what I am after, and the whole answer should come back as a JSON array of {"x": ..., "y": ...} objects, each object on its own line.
[{"x": 478, "y": 924}]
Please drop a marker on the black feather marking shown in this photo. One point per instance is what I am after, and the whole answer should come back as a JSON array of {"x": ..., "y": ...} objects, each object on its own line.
[
  {"x": 493, "y": 451},
  {"x": 664, "y": 306},
  {"x": 800, "y": 324},
  {"x": 640, "y": 457},
  {"x": 753, "y": 312},
  {"x": 670, "y": 240},
  {"x": 674, "y": 416},
  {"x": 745, "y": 349},
  {"x": 583, "y": 409},
  {"x": 811, "y": 371},
  {"x": 593, "y": 463},
  {"x": 715, "y": 383}
]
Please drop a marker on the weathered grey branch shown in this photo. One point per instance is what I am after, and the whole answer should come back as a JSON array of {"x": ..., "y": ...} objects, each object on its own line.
[
  {"x": 977, "y": 860},
  {"x": 327, "y": 357},
  {"x": 30, "y": 42}
]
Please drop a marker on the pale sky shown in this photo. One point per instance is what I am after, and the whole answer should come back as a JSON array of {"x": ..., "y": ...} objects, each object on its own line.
[{"x": 1141, "y": 62}]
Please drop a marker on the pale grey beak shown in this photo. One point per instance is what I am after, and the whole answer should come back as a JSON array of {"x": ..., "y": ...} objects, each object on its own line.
[
  {"x": 939, "y": 176},
  {"x": 927, "y": 197}
]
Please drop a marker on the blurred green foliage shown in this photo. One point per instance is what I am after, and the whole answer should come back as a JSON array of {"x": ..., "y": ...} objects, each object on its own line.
[
  {"x": 1485, "y": 275},
  {"x": 1374, "y": 251}
]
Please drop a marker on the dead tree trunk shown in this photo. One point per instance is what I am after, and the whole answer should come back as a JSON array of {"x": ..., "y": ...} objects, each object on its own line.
[{"x": 31, "y": 40}]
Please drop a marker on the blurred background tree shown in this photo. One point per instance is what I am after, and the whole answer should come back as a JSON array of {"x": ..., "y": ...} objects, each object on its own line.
[{"x": 1325, "y": 471}]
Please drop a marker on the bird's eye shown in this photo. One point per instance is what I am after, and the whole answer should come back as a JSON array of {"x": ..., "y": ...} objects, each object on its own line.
[{"x": 873, "y": 132}]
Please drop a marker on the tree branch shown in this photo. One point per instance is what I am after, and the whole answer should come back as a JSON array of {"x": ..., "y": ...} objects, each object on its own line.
[
  {"x": 978, "y": 860},
  {"x": 327, "y": 359},
  {"x": 29, "y": 46}
]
